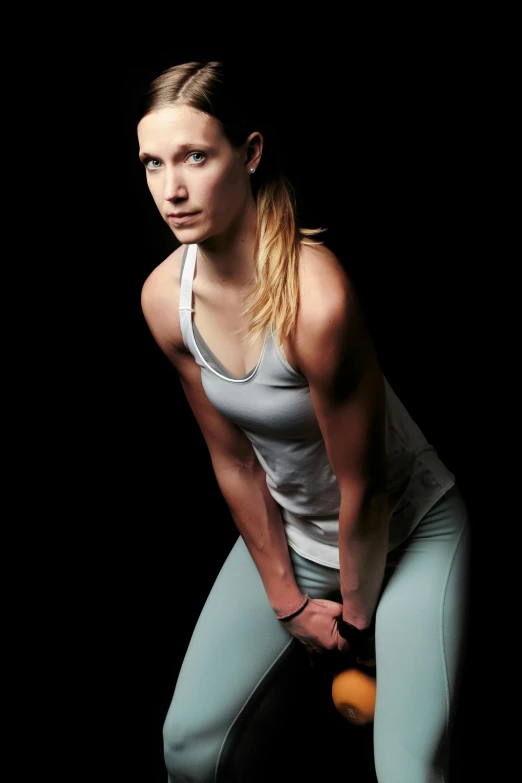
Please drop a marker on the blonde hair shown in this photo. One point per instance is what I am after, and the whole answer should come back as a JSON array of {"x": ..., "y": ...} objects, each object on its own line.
[{"x": 273, "y": 300}]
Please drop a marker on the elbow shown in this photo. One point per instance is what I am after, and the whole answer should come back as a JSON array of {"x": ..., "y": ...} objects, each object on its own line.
[
  {"x": 232, "y": 478},
  {"x": 364, "y": 507},
  {"x": 363, "y": 487}
]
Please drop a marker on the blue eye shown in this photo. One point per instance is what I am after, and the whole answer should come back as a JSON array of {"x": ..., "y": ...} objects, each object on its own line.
[
  {"x": 201, "y": 155},
  {"x": 151, "y": 167}
]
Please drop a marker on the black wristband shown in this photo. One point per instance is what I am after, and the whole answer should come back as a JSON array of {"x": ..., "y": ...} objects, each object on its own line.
[
  {"x": 297, "y": 611},
  {"x": 354, "y": 636}
]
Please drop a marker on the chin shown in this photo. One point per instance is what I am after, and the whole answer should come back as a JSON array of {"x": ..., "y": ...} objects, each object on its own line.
[{"x": 190, "y": 235}]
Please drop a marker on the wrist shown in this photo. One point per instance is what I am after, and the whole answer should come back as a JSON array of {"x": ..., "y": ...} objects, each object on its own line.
[
  {"x": 292, "y": 609},
  {"x": 285, "y": 599},
  {"x": 360, "y": 624},
  {"x": 360, "y": 619},
  {"x": 358, "y": 635},
  {"x": 356, "y": 638}
]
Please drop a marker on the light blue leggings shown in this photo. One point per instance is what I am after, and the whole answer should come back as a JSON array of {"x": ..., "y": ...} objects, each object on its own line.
[{"x": 421, "y": 627}]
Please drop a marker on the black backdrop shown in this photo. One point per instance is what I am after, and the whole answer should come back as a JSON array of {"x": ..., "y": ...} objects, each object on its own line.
[{"x": 376, "y": 155}]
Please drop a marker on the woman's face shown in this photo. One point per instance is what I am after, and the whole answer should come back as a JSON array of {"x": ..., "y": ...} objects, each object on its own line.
[{"x": 198, "y": 181}]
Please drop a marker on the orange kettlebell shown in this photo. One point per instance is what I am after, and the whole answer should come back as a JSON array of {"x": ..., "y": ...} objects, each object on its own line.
[
  {"x": 353, "y": 694},
  {"x": 354, "y": 685},
  {"x": 353, "y": 680}
]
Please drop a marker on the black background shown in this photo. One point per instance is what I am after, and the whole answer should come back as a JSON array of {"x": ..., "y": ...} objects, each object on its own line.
[
  {"x": 379, "y": 149},
  {"x": 381, "y": 162}
]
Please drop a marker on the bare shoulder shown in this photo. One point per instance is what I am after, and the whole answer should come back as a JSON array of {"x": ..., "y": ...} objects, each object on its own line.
[
  {"x": 325, "y": 288},
  {"x": 160, "y": 300},
  {"x": 164, "y": 276},
  {"x": 331, "y": 333}
]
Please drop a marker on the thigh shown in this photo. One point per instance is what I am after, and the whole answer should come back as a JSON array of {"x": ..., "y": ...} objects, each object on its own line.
[
  {"x": 234, "y": 654},
  {"x": 421, "y": 627}
]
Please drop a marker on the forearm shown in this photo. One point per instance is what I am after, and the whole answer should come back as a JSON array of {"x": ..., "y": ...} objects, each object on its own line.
[
  {"x": 363, "y": 545},
  {"x": 258, "y": 519}
]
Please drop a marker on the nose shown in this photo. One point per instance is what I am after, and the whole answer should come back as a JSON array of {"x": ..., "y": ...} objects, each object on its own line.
[{"x": 174, "y": 186}]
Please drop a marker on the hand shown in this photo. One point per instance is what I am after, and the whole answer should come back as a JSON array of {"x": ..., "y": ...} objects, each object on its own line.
[{"x": 316, "y": 626}]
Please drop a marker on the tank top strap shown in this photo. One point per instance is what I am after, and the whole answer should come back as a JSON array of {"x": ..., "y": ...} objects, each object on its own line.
[{"x": 187, "y": 274}]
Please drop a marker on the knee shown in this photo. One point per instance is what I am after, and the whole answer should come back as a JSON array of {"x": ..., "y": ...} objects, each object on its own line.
[
  {"x": 176, "y": 751},
  {"x": 189, "y": 752}
]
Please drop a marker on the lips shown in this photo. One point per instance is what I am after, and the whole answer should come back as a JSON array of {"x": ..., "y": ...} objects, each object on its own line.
[{"x": 178, "y": 218}]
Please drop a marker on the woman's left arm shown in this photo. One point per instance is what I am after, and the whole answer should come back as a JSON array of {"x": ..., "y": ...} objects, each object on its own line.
[{"x": 335, "y": 353}]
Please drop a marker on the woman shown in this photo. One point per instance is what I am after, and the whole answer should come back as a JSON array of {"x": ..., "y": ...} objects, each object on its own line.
[{"x": 350, "y": 525}]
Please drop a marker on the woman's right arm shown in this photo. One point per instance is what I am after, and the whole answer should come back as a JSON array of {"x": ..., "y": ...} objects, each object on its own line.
[{"x": 240, "y": 477}]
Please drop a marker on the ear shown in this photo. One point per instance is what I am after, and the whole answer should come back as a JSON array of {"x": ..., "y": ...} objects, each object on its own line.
[{"x": 254, "y": 150}]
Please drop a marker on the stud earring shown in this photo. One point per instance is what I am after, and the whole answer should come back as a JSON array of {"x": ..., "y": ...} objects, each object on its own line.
[{"x": 252, "y": 171}]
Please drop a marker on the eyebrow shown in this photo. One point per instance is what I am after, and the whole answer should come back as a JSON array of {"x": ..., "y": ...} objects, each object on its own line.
[{"x": 182, "y": 148}]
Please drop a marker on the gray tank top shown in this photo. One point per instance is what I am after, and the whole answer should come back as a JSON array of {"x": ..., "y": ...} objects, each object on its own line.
[{"x": 273, "y": 407}]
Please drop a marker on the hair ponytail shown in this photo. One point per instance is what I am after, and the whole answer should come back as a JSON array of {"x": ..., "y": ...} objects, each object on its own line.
[{"x": 274, "y": 298}]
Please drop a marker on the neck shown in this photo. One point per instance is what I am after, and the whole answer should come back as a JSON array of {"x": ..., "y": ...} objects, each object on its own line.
[{"x": 227, "y": 260}]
